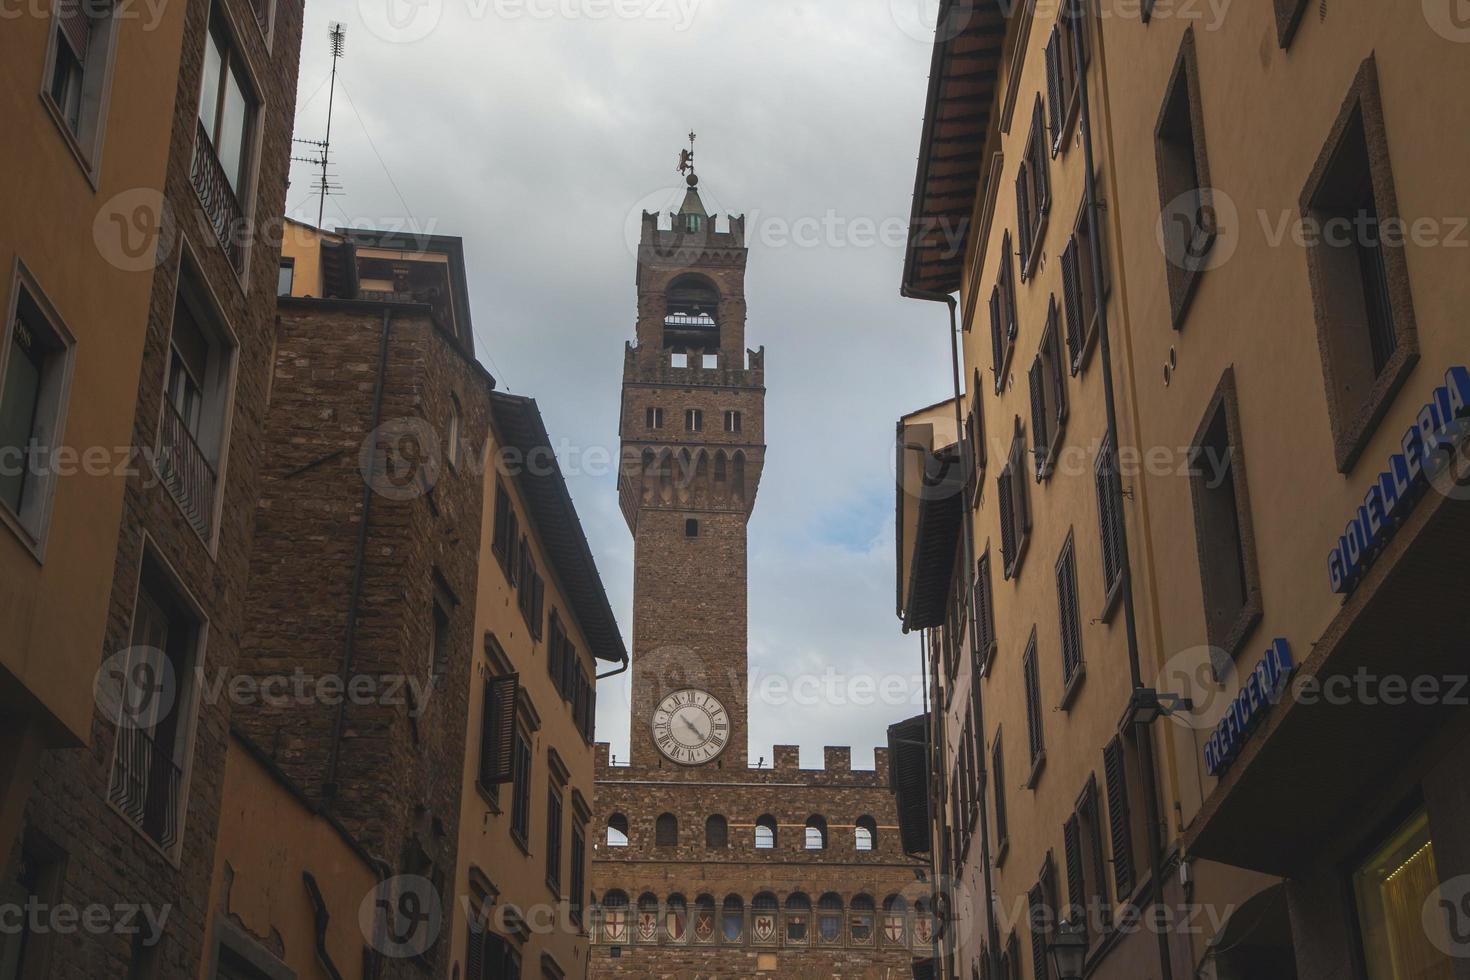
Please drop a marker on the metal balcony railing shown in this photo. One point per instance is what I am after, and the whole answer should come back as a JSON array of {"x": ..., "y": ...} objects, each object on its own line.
[
  {"x": 185, "y": 470},
  {"x": 145, "y": 786},
  {"x": 218, "y": 198},
  {"x": 701, "y": 321}
]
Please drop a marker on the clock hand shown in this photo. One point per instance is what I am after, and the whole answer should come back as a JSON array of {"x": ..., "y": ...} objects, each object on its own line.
[{"x": 691, "y": 726}]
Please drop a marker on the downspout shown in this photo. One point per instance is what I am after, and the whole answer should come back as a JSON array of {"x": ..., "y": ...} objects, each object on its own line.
[
  {"x": 967, "y": 464},
  {"x": 1142, "y": 733},
  {"x": 329, "y": 788},
  {"x": 616, "y": 671}
]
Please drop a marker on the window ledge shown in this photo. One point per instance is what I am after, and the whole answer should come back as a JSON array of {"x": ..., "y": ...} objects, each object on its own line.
[
  {"x": 32, "y": 544},
  {"x": 1074, "y": 684},
  {"x": 1001, "y": 850},
  {"x": 1033, "y": 258},
  {"x": 1112, "y": 601},
  {"x": 1037, "y": 767},
  {"x": 520, "y": 842},
  {"x": 488, "y": 797}
]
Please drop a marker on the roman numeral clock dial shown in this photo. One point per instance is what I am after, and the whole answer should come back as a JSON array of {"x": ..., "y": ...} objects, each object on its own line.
[{"x": 691, "y": 727}]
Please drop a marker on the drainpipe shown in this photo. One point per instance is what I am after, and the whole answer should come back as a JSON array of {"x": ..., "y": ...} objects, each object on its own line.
[
  {"x": 968, "y": 547},
  {"x": 329, "y": 788},
  {"x": 615, "y": 671},
  {"x": 1142, "y": 733}
]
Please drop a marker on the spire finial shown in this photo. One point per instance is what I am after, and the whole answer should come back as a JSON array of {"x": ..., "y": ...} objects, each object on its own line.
[{"x": 686, "y": 162}]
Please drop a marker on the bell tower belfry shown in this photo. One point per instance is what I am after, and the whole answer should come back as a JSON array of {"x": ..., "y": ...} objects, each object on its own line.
[{"x": 693, "y": 445}]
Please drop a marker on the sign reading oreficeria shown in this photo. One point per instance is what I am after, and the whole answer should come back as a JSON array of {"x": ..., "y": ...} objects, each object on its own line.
[{"x": 1428, "y": 446}]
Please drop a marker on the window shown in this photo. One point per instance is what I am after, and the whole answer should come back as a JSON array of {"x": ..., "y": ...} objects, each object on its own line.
[
  {"x": 222, "y": 151},
  {"x": 36, "y": 886},
  {"x": 653, "y": 418},
  {"x": 694, "y": 420},
  {"x": 617, "y": 830},
  {"x": 490, "y": 957},
  {"x": 507, "y": 532},
  {"x": 666, "y": 830},
  {"x": 1109, "y": 491},
  {"x": 530, "y": 590},
  {"x": 1079, "y": 293},
  {"x": 584, "y": 702},
  {"x": 193, "y": 423},
  {"x": 860, "y": 917},
  {"x": 1360, "y": 282},
  {"x": 1391, "y": 886},
  {"x": 866, "y": 833},
  {"x": 1069, "y": 619},
  {"x": 286, "y": 277},
  {"x": 1082, "y": 837},
  {"x": 1035, "y": 739},
  {"x": 732, "y": 918},
  {"x": 1063, "y": 74},
  {"x": 1042, "y": 920},
  {"x": 82, "y": 38},
  {"x": 520, "y": 813},
  {"x": 1121, "y": 820},
  {"x": 1185, "y": 199},
  {"x": 732, "y": 421},
  {"x": 679, "y": 360},
  {"x": 36, "y": 362},
  {"x": 1228, "y": 579},
  {"x": 1015, "y": 509},
  {"x": 556, "y": 643},
  {"x": 452, "y": 449},
  {"x": 1048, "y": 395},
  {"x": 147, "y": 781},
  {"x": 829, "y": 918},
  {"x": 497, "y": 732},
  {"x": 998, "y": 781},
  {"x": 975, "y": 437},
  {"x": 553, "y": 840},
  {"x": 691, "y": 527},
  {"x": 716, "y": 833},
  {"x": 1033, "y": 193},
  {"x": 439, "y": 653},
  {"x": 798, "y": 917},
  {"x": 765, "y": 833},
  {"x": 984, "y": 612},
  {"x": 816, "y": 833},
  {"x": 1002, "y": 316}
]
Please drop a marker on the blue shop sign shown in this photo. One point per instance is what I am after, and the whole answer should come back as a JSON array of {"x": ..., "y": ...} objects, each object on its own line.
[
  {"x": 1259, "y": 692},
  {"x": 1398, "y": 488}
]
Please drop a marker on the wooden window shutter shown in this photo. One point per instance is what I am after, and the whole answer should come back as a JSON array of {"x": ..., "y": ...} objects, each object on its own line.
[
  {"x": 1040, "y": 423},
  {"x": 1076, "y": 880},
  {"x": 997, "y": 350},
  {"x": 474, "y": 960},
  {"x": 502, "y": 522},
  {"x": 538, "y": 603},
  {"x": 1036, "y": 900},
  {"x": 76, "y": 25},
  {"x": 1041, "y": 174},
  {"x": 998, "y": 780},
  {"x": 1068, "y": 613},
  {"x": 1023, "y": 213},
  {"x": 1072, "y": 299},
  {"x": 1054, "y": 87},
  {"x": 1092, "y": 820},
  {"x": 1109, "y": 518},
  {"x": 984, "y": 606},
  {"x": 1035, "y": 736},
  {"x": 1121, "y": 823},
  {"x": 1007, "y": 521},
  {"x": 497, "y": 731}
]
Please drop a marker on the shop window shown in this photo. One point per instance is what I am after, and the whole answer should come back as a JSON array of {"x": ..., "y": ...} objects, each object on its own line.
[
  {"x": 1355, "y": 257},
  {"x": 1185, "y": 197},
  {"x": 1231, "y": 587},
  {"x": 36, "y": 361},
  {"x": 1392, "y": 887}
]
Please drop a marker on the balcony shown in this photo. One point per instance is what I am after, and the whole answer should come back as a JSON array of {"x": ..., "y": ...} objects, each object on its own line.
[
  {"x": 145, "y": 786},
  {"x": 218, "y": 199},
  {"x": 186, "y": 471}
]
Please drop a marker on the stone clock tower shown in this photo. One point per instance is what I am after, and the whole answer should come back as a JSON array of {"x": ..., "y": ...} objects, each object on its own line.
[
  {"x": 692, "y": 430},
  {"x": 711, "y": 857}
]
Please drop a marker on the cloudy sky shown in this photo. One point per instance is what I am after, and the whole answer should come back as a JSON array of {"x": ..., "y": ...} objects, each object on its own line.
[{"x": 538, "y": 129}]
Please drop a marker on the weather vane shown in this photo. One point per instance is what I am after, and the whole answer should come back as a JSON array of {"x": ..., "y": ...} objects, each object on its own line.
[{"x": 686, "y": 160}]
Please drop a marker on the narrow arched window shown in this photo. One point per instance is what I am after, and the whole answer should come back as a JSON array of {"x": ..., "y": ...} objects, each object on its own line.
[
  {"x": 829, "y": 917},
  {"x": 798, "y": 917},
  {"x": 617, "y": 830},
  {"x": 816, "y": 833},
  {"x": 716, "y": 832},
  {"x": 866, "y": 832},
  {"x": 452, "y": 450},
  {"x": 732, "y": 918},
  {"x": 765, "y": 833},
  {"x": 666, "y": 830}
]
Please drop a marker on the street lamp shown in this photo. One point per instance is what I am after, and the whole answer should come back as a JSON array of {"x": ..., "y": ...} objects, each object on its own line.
[
  {"x": 1068, "y": 951},
  {"x": 1146, "y": 704}
]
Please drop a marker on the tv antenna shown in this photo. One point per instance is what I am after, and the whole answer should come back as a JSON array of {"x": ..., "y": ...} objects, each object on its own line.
[{"x": 337, "y": 38}]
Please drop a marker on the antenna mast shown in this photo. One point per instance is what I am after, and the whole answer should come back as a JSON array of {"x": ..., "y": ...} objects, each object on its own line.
[{"x": 338, "y": 37}]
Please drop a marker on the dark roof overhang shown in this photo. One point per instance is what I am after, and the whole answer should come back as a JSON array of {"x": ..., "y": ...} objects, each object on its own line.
[
  {"x": 963, "y": 76},
  {"x": 538, "y": 474},
  {"x": 937, "y": 538},
  {"x": 908, "y": 777},
  {"x": 450, "y": 246}
]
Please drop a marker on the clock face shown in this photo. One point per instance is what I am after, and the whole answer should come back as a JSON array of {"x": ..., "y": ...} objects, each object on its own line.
[{"x": 691, "y": 727}]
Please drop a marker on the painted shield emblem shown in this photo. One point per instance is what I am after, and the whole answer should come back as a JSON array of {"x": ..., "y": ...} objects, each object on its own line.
[
  {"x": 674, "y": 925},
  {"x": 647, "y": 927},
  {"x": 923, "y": 929},
  {"x": 615, "y": 925},
  {"x": 893, "y": 929},
  {"x": 704, "y": 926},
  {"x": 764, "y": 927}
]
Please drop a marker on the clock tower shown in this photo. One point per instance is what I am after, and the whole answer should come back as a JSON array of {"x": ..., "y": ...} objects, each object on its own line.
[{"x": 692, "y": 429}]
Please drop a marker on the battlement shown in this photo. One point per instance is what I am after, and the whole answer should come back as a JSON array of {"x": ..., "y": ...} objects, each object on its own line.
[
  {"x": 672, "y": 235},
  {"x": 648, "y": 364},
  {"x": 786, "y": 762}
]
